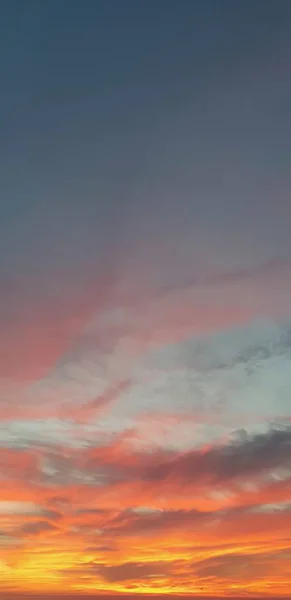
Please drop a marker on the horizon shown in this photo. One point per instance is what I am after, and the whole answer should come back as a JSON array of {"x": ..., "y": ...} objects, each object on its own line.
[{"x": 91, "y": 595}]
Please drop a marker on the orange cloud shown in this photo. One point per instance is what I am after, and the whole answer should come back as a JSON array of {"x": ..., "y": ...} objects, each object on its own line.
[{"x": 152, "y": 521}]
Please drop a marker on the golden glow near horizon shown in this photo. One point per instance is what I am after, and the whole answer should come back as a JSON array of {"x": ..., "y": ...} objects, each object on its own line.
[
  {"x": 145, "y": 299},
  {"x": 145, "y": 535}
]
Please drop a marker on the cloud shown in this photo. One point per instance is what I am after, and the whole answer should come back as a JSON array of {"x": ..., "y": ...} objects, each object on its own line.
[
  {"x": 132, "y": 571},
  {"x": 131, "y": 523},
  {"x": 37, "y": 527},
  {"x": 103, "y": 402},
  {"x": 124, "y": 466},
  {"x": 130, "y": 450},
  {"x": 247, "y": 457},
  {"x": 244, "y": 457},
  {"x": 232, "y": 567}
]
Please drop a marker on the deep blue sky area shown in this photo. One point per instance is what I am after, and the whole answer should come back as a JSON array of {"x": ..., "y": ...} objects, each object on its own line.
[{"x": 91, "y": 91}]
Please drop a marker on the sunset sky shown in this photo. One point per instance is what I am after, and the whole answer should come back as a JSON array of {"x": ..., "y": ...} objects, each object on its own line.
[{"x": 145, "y": 298}]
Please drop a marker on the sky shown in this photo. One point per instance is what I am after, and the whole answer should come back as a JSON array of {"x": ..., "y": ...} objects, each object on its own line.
[{"x": 145, "y": 285}]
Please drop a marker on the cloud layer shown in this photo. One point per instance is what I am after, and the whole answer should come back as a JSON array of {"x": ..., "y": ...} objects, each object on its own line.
[{"x": 146, "y": 464}]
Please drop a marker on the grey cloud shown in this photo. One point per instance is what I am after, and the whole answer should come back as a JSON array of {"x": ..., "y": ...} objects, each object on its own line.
[
  {"x": 59, "y": 501},
  {"x": 235, "y": 566},
  {"x": 6, "y": 539},
  {"x": 37, "y": 527},
  {"x": 249, "y": 456},
  {"x": 134, "y": 524},
  {"x": 263, "y": 269},
  {"x": 238, "y": 375},
  {"x": 53, "y": 515},
  {"x": 123, "y": 572},
  {"x": 91, "y": 511},
  {"x": 232, "y": 567},
  {"x": 234, "y": 523},
  {"x": 260, "y": 340},
  {"x": 245, "y": 457},
  {"x": 131, "y": 570},
  {"x": 103, "y": 548}
]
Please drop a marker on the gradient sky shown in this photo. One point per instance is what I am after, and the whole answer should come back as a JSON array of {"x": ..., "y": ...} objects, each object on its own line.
[{"x": 145, "y": 285}]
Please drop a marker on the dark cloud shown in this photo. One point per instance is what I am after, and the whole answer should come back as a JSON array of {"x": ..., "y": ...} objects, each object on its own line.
[
  {"x": 91, "y": 511},
  {"x": 268, "y": 268},
  {"x": 236, "y": 567},
  {"x": 248, "y": 456},
  {"x": 61, "y": 501},
  {"x": 134, "y": 571},
  {"x": 127, "y": 571},
  {"x": 133, "y": 524},
  {"x": 235, "y": 521},
  {"x": 245, "y": 457},
  {"x": 100, "y": 549},
  {"x": 232, "y": 567},
  {"x": 52, "y": 515},
  {"x": 37, "y": 527}
]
